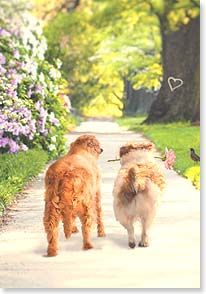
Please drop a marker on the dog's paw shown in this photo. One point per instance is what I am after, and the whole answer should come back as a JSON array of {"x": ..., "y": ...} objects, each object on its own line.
[
  {"x": 132, "y": 244},
  {"x": 101, "y": 234},
  {"x": 88, "y": 246},
  {"x": 143, "y": 244},
  {"x": 52, "y": 253},
  {"x": 75, "y": 230}
]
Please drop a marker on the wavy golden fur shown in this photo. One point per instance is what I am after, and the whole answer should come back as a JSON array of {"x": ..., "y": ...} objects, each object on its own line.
[
  {"x": 72, "y": 189},
  {"x": 137, "y": 189}
]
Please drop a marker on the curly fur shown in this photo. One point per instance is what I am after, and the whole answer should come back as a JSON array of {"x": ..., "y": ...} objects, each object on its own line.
[
  {"x": 137, "y": 189},
  {"x": 72, "y": 189}
]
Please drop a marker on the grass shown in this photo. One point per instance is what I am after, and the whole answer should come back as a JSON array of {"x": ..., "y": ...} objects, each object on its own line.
[
  {"x": 16, "y": 170},
  {"x": 180, "y": 137}
]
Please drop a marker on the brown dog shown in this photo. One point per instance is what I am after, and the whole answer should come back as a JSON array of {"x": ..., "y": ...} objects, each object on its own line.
[
  {"x": 72, "y": 186},
  {"x": 137, "y": 189}
]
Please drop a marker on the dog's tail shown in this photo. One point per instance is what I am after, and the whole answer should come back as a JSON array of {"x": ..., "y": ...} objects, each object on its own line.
[
  {"x": 63, "y": 193},
  {"x": 137, "y": 179},
  {"x": 135, "y": 182}
]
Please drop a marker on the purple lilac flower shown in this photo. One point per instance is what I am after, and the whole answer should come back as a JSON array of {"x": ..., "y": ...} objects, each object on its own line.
[
  {"x": 2, "y": 59},
  {"x": 39, "y": 89},
  {"x": 2, "y": 70},
  {"x": 20, "y": 64},
  {"x": 14, "y": 147},
  {"x": 11, "y": 92},
  {"x": 4, "y": 142},
  {"x": 25, "y": 112},
  {"x": 31, "y": 136},
  {"x": 43, "y": 113},
  {"x": 32, "y": 125},
  {"x": 11, "y": 72},
  {"x": 4, "y": 33},
  {"x": 15, "y": 80},
  {"x": 29, "y": 93},
  {"x": 24, "y": 147},
  {"x": 2, "y": 118},
  {"x": 16, "y": 53},
  {"x": 38, "y": 105},
  {"x": 16, "y": 130},
  {"x": 31, "y": 68},
  {"x": 8, "y": 126},
  {"x": 53, "y": 119},
  {"x": 25, "y": 130},
  {"x": 45, "y": 133}
]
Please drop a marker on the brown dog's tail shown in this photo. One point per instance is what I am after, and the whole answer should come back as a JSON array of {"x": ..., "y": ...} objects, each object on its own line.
[{"x": 63, "y": 190}]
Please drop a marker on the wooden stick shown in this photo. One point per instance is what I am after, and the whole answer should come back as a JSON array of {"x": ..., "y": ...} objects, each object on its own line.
[{"x": 110, "y": 160}]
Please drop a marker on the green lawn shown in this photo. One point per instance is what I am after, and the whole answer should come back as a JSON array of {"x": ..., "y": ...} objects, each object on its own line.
[
  {"x": 179, "y": 136},
  {"x": 16, "y": 170}
]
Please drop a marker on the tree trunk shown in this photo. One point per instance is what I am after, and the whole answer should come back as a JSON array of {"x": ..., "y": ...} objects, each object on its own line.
[
  {"x": 181, "y": 60},
  {"x": 136, "y": 101}
]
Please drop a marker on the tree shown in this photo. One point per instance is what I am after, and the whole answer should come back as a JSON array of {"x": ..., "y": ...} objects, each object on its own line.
[
  {"x": 106, "y": 44},
  {"x": 98, "y": 56},
  {"x": 180, "y": 32}
]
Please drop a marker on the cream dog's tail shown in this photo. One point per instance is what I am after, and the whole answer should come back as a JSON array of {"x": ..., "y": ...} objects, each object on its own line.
[
  {"x": 136, "y": 178},
  {"x": 134, "y": 182}
]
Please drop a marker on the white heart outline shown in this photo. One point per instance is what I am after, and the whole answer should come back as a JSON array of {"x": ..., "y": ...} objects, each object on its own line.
[{"x": 174, "y": 80}]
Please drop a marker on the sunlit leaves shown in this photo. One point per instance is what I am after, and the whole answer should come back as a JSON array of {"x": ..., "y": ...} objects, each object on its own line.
[
  {"x": 103, "y": 42},
  {"x": 182, "y": 12}
]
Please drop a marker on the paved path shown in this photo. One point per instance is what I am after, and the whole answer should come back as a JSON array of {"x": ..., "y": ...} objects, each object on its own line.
[{"x": 172, "y": 260}]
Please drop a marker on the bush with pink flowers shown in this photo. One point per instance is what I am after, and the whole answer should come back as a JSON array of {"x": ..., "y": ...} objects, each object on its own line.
[{"x": 33, "y": 103}]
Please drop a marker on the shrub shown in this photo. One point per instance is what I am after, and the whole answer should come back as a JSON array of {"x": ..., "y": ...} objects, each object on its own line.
[
  {"x": 33, "y": 101},
  {"x": 16, "y": 170},
  {"x": 193, "y": 173}
]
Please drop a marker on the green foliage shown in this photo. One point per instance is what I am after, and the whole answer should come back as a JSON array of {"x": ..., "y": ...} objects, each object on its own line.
[
  {"x": 103, "y": 42},
  {"x": 179, "y": 136},
  {"x": 74, "y": 120},
  {"x": 16, "y": 170},
  {"x": 33, "y": 101},
  {"x": 97, "y": 52}
]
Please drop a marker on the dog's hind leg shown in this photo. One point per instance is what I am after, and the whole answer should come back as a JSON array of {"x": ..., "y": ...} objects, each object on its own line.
[
  {"x": 85, "y": 215},
  {"x": 51, "y": 223},
  {"x": 130, "y": 230},
  {"x": 144, "y": 242},
  {"x": 100, "y": 226},
  {"x": 146, "y": 223}
]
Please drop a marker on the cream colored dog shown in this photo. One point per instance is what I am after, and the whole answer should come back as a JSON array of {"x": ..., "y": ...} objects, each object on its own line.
[{"x": 137, "y": 189}]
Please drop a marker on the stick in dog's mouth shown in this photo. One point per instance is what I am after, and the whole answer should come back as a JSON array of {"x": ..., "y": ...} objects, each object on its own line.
[{"x": 110, "y": 160}]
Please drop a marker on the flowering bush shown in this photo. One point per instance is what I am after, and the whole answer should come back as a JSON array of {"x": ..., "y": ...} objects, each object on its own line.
[
  {"x": 33, "y": 102},
  {"x": 193, "y": 173}
]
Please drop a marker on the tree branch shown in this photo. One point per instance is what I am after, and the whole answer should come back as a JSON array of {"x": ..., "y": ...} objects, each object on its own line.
[{"x": 118, "y": 97}]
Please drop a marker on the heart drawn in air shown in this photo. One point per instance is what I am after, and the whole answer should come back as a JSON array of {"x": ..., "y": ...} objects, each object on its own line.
[{"x": 174, "y": 83}]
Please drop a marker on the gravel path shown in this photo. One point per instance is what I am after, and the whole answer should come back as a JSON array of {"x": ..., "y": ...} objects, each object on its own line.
[{"x": 172, "y": 260}]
